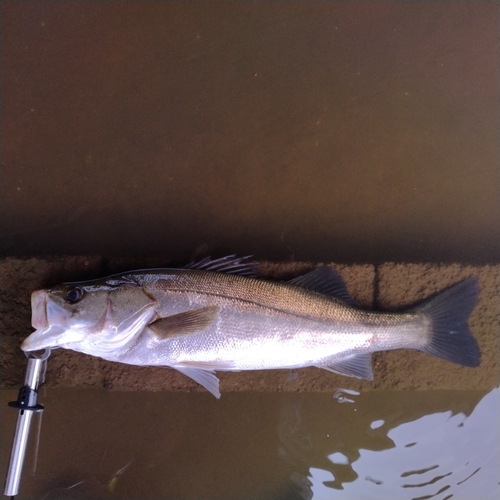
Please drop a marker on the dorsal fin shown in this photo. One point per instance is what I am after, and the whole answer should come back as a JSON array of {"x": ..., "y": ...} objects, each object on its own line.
[
  {"x": 327, "y": 281},
  {"x": 229, "y": 264}
]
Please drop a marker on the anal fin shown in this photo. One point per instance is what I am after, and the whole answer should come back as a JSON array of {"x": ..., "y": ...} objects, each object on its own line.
[{"x": 359, "y": 366}]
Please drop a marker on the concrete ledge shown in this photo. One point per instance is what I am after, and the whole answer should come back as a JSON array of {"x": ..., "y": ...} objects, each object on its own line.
[{"x": 390, "y": 286}]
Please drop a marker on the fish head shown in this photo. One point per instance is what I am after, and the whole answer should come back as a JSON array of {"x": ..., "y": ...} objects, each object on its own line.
[{"x": 97, "y": 318}]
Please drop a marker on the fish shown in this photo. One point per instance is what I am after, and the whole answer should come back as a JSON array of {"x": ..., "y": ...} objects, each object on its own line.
[{"x": 218, "y": 315}]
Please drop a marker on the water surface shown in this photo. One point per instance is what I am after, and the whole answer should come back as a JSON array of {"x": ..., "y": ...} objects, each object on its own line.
[
  {"x": 320, "y": 131},
  {"x": 391, "y": 445}
]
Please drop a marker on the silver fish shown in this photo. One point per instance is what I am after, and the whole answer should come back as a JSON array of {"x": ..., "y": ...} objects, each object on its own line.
[{"x": 214, "y": 316}]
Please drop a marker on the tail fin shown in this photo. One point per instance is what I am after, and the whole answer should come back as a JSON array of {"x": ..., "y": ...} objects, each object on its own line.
[{"x": 449, "y": 312}]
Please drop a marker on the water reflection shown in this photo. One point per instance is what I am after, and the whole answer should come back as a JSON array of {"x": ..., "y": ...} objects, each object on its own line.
[
  {"x": 404, "y": 445},
  {"x": 436, "y": 456},
  {"x": 344, "y": 395},
  {"x": 296, "y": 446}
]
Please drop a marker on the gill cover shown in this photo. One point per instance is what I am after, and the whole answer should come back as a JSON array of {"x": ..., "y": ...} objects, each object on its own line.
[{"x": 94, "y": 317}]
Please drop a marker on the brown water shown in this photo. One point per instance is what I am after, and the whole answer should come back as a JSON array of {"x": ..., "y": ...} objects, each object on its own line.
[
  {"x": 391, "y": 445},
  {"x": 332, "y": 131}
]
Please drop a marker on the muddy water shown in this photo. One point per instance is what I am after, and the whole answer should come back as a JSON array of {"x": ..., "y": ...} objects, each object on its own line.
[
  {"x": 400, "y": 445},
  {"x": 330, "y": 131}
]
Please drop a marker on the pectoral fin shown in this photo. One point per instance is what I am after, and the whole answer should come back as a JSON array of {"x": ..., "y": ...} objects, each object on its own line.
[
  {"x": 206, "y": 378},
  {"x": 359, "y": 366},
  {"x": 185, "y": 323}
]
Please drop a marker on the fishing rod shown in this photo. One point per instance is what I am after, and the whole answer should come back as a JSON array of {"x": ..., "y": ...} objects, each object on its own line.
[{"x": 27, "y": 405}]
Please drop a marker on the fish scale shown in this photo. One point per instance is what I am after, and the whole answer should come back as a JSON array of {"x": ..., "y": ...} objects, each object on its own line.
[{"x": 279, "y": 296}]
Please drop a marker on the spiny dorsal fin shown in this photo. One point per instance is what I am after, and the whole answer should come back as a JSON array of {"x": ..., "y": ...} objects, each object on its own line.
[
  {"x": 186, "y": 323},
  {"x": 229, "y": 264},
  {"x": 327, "y": 281}
]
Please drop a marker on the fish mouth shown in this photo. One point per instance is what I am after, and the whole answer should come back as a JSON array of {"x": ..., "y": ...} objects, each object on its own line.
[
  {"x": 49, "y": 319},
  {"x": 43, "y": 338}
]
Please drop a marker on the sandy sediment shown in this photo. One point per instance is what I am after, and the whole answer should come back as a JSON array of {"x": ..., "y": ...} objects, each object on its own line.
[{"x": 386, "y": 287}]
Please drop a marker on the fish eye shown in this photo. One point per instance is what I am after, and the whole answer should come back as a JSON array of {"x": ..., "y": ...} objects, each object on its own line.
[{"x": 74, "y": 295}]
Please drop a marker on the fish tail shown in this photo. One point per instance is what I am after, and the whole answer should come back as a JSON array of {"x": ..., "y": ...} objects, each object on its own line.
[{"x": 448, "y": 313}]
